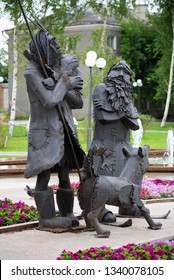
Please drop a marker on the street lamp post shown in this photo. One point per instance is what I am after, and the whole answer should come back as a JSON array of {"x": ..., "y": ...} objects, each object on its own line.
[
  {"x": 91, "y": 61},
  {"x": 138, "y": 84}
]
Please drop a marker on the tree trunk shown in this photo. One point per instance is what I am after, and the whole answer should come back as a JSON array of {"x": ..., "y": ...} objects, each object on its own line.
[
  {"x": 14, "y": 86},
  {"x": 170, "y": 80}
]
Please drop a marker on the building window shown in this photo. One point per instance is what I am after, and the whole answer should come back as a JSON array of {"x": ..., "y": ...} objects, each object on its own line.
[{"x": 112, "y": 42}]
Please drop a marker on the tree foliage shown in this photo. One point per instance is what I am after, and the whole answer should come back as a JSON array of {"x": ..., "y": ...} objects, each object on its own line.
[
  {"x": 55, "y": 16},
  {"x": 102, "y": 50},
  {"x": 4, "y": 65},
  {"x": 64, "y": 10},
  {"x": 162, "y": 26},
  {"x": 137, "y": 48},
  {"x": 164, "y": 34},
  {"x": 148, "y": 49},
  {"x": 145, "y": 46}
]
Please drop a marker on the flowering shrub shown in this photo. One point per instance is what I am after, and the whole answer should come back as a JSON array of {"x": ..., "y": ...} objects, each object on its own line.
[
  {"x": 14, "y": 213},
  {"x": 54, "y": 187},
  {"x": 74, "y": 185},
  {"x": 161, "y": 250},
  {"x": 157, "y": 188},
  {"x": 151, "y": 188}
]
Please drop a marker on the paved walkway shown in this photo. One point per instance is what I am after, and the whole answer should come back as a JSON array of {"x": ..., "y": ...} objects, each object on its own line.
[{"x": 39, "y": 245}]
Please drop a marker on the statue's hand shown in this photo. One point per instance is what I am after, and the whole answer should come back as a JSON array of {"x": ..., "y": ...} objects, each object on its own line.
[
  {"x": 49, "y": 83},
  {"x": 99, "y": 104},
  {"x": 74, "y": 82}
]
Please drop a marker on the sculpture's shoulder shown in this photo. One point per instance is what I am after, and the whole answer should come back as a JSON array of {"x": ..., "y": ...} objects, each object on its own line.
[
  {"x": 32, "y": 69},
  {"x": 102, "y": 106},
  {"x": 100, "y": 92}
]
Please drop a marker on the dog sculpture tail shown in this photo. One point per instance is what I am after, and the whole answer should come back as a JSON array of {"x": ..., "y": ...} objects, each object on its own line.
[{"x": 92, "y": 161}]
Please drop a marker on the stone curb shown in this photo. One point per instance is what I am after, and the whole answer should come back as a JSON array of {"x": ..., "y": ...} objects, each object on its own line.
[
  {"x": 158, "y": 200},
  {"x": 18, "y": 227}
]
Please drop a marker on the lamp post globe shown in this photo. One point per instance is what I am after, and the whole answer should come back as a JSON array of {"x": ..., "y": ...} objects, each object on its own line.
[
  {"x": 139, "y": 83},
  {"x": 100, "y": 63},
  {"x": 91, "y": 54},
  {"x": 90, "y": 62}
]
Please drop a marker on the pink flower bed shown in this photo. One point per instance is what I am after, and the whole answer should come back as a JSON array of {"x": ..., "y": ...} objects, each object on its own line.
[
  {"x": 157, "y": 188},
  {"x": 161, "y": 250},
  {"x": 74, "y": 185},
  {"x": 18, "y": 212},
  {"x": 151, "y": 188}
]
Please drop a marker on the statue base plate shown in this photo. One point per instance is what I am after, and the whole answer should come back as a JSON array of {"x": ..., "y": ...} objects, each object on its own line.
[{"x": 62, "y": 230}]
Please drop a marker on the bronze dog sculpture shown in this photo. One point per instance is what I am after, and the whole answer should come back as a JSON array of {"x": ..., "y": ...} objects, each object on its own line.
[{"x": 97, "y": 190}]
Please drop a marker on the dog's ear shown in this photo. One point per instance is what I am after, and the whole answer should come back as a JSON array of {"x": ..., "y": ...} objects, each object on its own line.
[
  {"x": 147, "y": 149},
  {"x": 140, "y": 152},
  {"x": 125, "y": 152}
]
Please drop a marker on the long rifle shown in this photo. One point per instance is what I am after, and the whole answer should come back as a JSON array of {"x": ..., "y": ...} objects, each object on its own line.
[{"x": 46, "y": 76}]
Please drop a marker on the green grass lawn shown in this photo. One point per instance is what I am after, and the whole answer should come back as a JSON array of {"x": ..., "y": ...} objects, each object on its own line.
[
  {"x": 153, "y": 135},
  {"x": 19, "y": 140}
]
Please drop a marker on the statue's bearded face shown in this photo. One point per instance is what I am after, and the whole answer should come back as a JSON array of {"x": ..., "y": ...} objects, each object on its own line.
[
  {"x": 119, "y": 87},
  {"x": 121, "y": 74}
]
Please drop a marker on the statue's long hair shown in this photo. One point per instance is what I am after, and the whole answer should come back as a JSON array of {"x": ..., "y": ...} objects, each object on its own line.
[{"x": 43, "y": 40}]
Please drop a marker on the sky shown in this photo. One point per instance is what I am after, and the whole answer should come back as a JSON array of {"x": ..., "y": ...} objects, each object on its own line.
[{"x": 4, "y": 24}]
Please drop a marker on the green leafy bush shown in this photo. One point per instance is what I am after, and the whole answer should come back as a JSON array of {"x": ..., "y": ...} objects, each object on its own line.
[{"x": 146, "y": 119}]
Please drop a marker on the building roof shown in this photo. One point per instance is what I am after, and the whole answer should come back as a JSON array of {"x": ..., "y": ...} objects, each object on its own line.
[{"x": 91, "y": 17}]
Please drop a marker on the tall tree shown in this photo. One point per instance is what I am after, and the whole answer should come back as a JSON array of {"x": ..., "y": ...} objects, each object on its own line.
[
  {"x": 14, "y": 85},
  {"x": 64, "y": 10},
  {"x": 14, "y": 79},
  {"x": 167, "y": 9},
  {"x": 55, "y": 15},
  {"x": 137, "y": 48},
  {"x": 170, "y": 79},
  {"x": 163, "y": 23}
]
